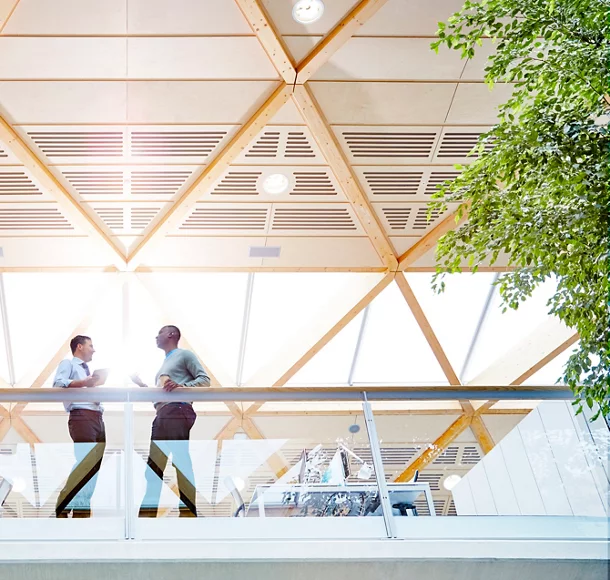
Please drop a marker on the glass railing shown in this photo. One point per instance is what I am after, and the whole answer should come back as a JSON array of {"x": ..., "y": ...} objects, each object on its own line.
[{"x": 300, "y": 463}]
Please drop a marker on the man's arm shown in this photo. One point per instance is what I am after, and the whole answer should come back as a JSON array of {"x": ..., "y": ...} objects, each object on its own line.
[
  {"x": 62, "y": 377},
  {"x": 201, "y": 378}
]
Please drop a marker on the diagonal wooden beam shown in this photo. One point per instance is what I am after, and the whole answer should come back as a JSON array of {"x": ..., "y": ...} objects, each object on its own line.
[
  {"x": 336, "y": 38},
  {"x": 427, "y": 242},
  {"x": 314, "y": 338},
  {"x": 270, "y": 39},
  {"x": 74, "y": 210},
  {"x": 542, "y": 345},
  {"x": 174, "y": 212},
  {"x": 482, "y": 434},
  {"x": 7, "y": 8},
  {"x": 326, "y": 140},
  {"x": 426, "y": 329},
  {"x": 435, "y": 449}
]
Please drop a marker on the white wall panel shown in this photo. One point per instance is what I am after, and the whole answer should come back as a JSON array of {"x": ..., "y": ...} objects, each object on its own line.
[
  {"x": 64, "y": 102},
  {"x": 499, "y": 480},
  {"x": 391, "y": 59},
  {"x": 195, "y": 102},
  {"x": 199, "y": 58},
  {"x": 62, "y": 58},
  {"x": 186, "y": 17},
  {"x": 384, "y": 103},
  {"x": 68, "y": 17},
  {"x": 481, "y": 491},
  {"x": 462, "y": 497}
]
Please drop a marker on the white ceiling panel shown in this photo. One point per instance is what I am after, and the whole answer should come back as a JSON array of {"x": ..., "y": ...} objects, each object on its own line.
[
  {"x": 6, "y": 157},
  {"x": 310, "y": 219},
  {"x": 34, "y": 219},
  {"x": 202, "y": 251},
  {"x": 306, "y": 184},
  {"x": 323, "y": 252},
  {"x": 280, "y": 12},
  {"x": 196, "y": 101},
  {"x": 413, "y": 183},
  {"x": 391, "y": 59},
  {"x": 409, "y": 18},
  {"x": 186, "y": 17},
  {"x": 475, "y": 68},
  {"x": 407, "y": 219},
  {"x": 301, "y": 46},
  {"x": 282, "y": 145},
  {"x": 476, "y": 104},
  {"x": 64, "y": 102},
  {"x": 288, "y": 115},
  {"x": 222, "y": 219},
  {"x": 63, "y": 58},
  {"x": 59, "y": 251},
  {"x": 198, "y": 58},
  {"x": 456, "y": 143},
  {"x": 385, "y": 145},
  {"x": 403, "y": 243},
  {"x": 16, "y": 186},
  {"x": 68, "y": 17},
  {"x": 378, "y": 103}
]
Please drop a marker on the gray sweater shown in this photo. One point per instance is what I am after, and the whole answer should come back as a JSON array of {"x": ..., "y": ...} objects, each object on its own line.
[{"x": 184, "y": 368}]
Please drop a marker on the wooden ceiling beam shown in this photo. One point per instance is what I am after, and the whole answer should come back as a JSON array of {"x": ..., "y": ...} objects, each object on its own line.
[
  {"x": 328, "y": 144},
  {"x": 337, "y": 38},
  {"x": 435, "y": 449},
  {"x": 72, "y": 208},
  {"x": 270, "y": 39},
  {"x": 482, "y": 434},
  {"x": 172, "y": 213},
  {"x": 426, "y": 328}
]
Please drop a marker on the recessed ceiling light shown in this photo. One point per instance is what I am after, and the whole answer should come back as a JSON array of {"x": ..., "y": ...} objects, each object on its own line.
[
  {"x": 451, "y": 481},
  {"x": 308, "y": 11},
  {"x": 276, "y": 183}
]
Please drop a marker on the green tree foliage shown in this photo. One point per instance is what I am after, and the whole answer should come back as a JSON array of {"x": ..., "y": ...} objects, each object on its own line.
[{"x": 541, "y": 194}]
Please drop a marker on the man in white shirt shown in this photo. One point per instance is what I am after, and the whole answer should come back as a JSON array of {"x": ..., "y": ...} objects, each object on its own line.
[{"x": 87, "y": 430}]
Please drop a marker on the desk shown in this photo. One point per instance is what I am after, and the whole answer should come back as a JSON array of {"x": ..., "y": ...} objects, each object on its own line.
[{"x": 350, "y": 500}]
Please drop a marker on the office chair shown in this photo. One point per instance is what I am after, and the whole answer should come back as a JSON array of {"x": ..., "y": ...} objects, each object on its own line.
[
  {"x": 239, "y": 501},
  {"x": 402, "y": 507}
]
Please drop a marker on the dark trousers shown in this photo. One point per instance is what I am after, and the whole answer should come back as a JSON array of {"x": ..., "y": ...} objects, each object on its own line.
[
  {"x": 89, "y": 435},
  {"x": 171, "y": 430}
]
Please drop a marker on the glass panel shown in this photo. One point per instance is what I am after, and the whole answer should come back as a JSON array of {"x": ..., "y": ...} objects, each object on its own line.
[
  {"x": 501, "y": 331},
  {"x": 332, "y": 365},
  {"x": 56, "y": 303},
  {"x": 454, "y": 314},
  {"x": 59, "y": 467},
  {"x": 394, "y": 350},
  {"x": 287, "y": 460},
  {"x": 284, "y": 306}
]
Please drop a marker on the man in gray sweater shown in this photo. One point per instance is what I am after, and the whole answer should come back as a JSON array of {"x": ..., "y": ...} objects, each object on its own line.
[{"x": 172, "y": 426}]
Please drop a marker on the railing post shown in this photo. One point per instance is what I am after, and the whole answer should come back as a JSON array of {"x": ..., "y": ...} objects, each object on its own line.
[
  {"x": 128, "y": 478},
  {"x": 386, "y": 507}
]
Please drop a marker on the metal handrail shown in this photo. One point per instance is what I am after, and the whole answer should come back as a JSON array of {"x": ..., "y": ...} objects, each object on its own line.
[{"x": 278, "y": 394}]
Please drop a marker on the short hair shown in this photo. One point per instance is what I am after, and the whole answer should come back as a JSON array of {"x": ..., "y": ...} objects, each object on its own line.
[
  {"x": 78, "y": 339},
  {"x": 175, "y": 330}
]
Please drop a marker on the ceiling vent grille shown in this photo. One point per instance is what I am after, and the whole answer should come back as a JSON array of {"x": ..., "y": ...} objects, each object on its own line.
[
  {"x": 394, "y": 182},
  {"x": 3, "y": 153},
  {"x": 175, "y": 143},
  {"x": 142, "y": 216},
  {"x": 238, "y": 183},
  {"x": 79, "y": 143},
  {"x": 238, "y": 219},
  {"x": 387, "y": 144},
  {"x": 297, "y": 145},
  {"x": 437, "y": 178},
  {"x": 111, "y": 216},
  {"x": 422, "y": 221},
  {"x": 266, "y": 146},
  {"x": 312, "y": 183},
  {"x": 96, "y": 182},
  {"x": 459, "y": 144},
  {"x": 434, "y": 479},
  {"x": 451, "y": 509},
  {"x": 448, "y": 457},
  {"x": 33, "y": 219},
  {"x": 423, "y": 510},
  {"x": 470, "y": 456},
  {"x": 397, "y": 217},
  {"x": 313, "y": 219},
  {"x": 17, "y": 183},
  {"x": 157, "y": 182}
]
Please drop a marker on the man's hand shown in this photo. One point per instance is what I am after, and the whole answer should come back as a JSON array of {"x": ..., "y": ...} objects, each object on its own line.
[
  {"x": 138, "y": 381},
  {"x": 169, "y": 385}
]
